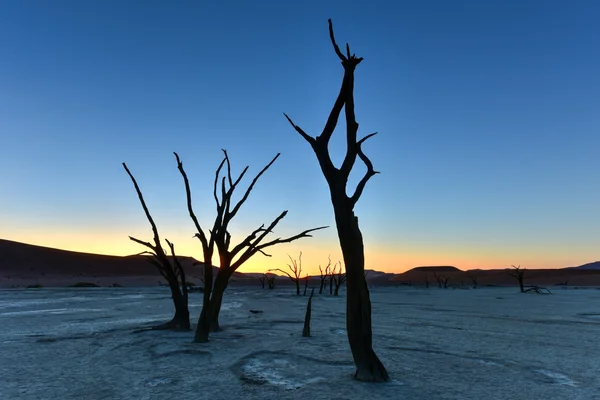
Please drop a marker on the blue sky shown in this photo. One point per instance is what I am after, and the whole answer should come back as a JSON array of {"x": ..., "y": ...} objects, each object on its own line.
[{"x": 487, "y": 114}]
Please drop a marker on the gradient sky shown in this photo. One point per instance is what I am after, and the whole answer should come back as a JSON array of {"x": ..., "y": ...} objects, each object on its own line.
[{"x": 487, "y": 113}]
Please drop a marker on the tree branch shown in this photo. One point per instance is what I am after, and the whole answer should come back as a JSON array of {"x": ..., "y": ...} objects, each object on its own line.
[
  {"x": 146, "y": 211},
  {"x": 306, "y": 137},
  {"x": 229, "y": 216},
  {"x": 188, "y": 194},
  {"x": 370, "y": 170}
]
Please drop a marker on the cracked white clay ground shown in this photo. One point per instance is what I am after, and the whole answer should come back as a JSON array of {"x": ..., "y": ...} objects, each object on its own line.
[{"x": 487, "y": 343}]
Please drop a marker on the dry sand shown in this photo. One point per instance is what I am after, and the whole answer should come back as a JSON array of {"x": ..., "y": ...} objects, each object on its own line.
[{"x": 489, "y": 344}]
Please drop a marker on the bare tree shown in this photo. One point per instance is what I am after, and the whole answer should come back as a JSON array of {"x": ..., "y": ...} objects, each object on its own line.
[
  {"x": 474, "y": 280},
  {"x": 358, "y": 304},
  {"x": 427, "y": 281},
  {"x": 296, "y": 269},
  {"x": 306, "y": 279},
  {"x": 338, "y": 278},
  {"x": 262, "y": 279},
  {"x": 172, "y": 272},
  {"x": 270, "y": 280},
  {"x": 519, "y": 274},
  {"x": 439, "y": 279},
  {"x": 324, "y": 274},
  {"x": 231, "y": 258}
]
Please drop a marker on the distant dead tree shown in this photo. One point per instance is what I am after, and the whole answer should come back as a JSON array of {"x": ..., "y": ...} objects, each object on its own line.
[
  {"x": 270, "y": 280},
  {"x": 358, "y": 309},
  {"x": 296, "y": 269},
  {"x": 306, "y": 279},
  {"x": 338, "y": 278},
  {"x": 262, "y": 279},
  {"x": 172, "y": 271},
  {"x": 441, "y": 280},
  {"x": 538, "y": 290},
  {"x": 324, "y": 275},
  {"x": 427, "y": 281},
  {"x": 231, "y": 258},
  {"x": 474, "y": 280},
  {"x": 519, "y": 274},
  {"x": 306, "y": 330}
]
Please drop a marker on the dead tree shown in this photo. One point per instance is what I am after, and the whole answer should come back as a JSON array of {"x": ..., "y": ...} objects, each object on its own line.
[
  {"x": 445, "y": 281},
  {"x": 538, "y": 290},
  {"x": 439, "y": 279},
  {"x": 306, "y": 330},
  {"x": 296, "y": 269},
  {"x": 172, "y": 271},
  {"x": 270, "y": 280},
  {"x": 262, "y": 280},
  {"x": 474, "y": 280},
  {"x": 231, "y": 258},
  {"x": 427, "y": 281},
  {"x": 519, "y": 274},
  {"x": 324, "y": 275},
  {"x": 338, "y": 279},
  {"x": 358, "y": 304},
  {"x": 306, "y": 279}
]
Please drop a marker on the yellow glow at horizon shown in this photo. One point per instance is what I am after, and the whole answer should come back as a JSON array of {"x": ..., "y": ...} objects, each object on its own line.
[{"x": 397, "y": 260}]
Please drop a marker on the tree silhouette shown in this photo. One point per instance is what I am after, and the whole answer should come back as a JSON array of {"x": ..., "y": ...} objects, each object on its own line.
[
  {"x": 358, "y": 304},
  {"x": 324, "y": 274},
  {"x": 519, "y": 274},
  {"x": 172, "y": 271},
  {"x": 231, "y": 258},
  {"x": 296, "y": 269}
]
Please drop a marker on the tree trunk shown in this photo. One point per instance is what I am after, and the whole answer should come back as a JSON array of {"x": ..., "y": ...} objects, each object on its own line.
[
  {"x": 358, "y": 305},
  {"x": 181, "y": 320},
  {"x": 216, "y": 300}
]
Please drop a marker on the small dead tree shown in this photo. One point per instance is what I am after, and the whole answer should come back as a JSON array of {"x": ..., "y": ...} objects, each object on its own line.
[
  {"x": 296, "y": 269},
  {"x": 262, "y": 280},
  {"x": 338, "y": 278},
  {"x": 306, "y": 279},
  {"x": 231, "y": 258},
  {"x": 427, "y": 281},
  {"x": 270, "y": 280},
  {"x": 306, "y": 330},
  {"x": 172, "y": 271},
  {"x": 439, "y": 279},
  {"x": 519, "y": 274},
  {"x": 324, "y": 274},
  {"x": 358, "y": 303},
  {"x": 474, "y": 280}
]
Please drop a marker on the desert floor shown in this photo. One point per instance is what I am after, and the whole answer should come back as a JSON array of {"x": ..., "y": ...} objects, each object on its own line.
[{"x": 486, "y": 343}]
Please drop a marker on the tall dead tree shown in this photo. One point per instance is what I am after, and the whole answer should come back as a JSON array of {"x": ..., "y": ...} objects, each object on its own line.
[
  {"x": 296, "y": 269},
  {"x": 519, "y": 274},
  {"x": 231, "y": 258},
  {"x": 172, "y": 271},
  {"x": 358, "y": 304}
]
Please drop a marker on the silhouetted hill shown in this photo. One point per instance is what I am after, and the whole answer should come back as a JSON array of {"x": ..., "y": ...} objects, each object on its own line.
[
  {"x": 22, "y": 263},
  {"x": 589, "y": 266},
  {"x": 436, "y": 268}
]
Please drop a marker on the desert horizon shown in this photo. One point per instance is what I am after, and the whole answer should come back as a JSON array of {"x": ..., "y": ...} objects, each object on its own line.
[{"x": 23, "y": 264}]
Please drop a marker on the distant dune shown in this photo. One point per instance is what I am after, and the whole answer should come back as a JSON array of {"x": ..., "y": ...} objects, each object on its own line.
[
  {"x": 590, "y": 266},
  {"x": 25, "y": 264}
]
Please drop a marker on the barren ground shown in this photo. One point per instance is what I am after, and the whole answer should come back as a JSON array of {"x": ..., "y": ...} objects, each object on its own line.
[{"x": 491, "y": 343}]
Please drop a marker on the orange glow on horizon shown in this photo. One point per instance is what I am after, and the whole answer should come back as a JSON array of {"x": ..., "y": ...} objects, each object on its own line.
[{"x": 380, "y": 259}]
